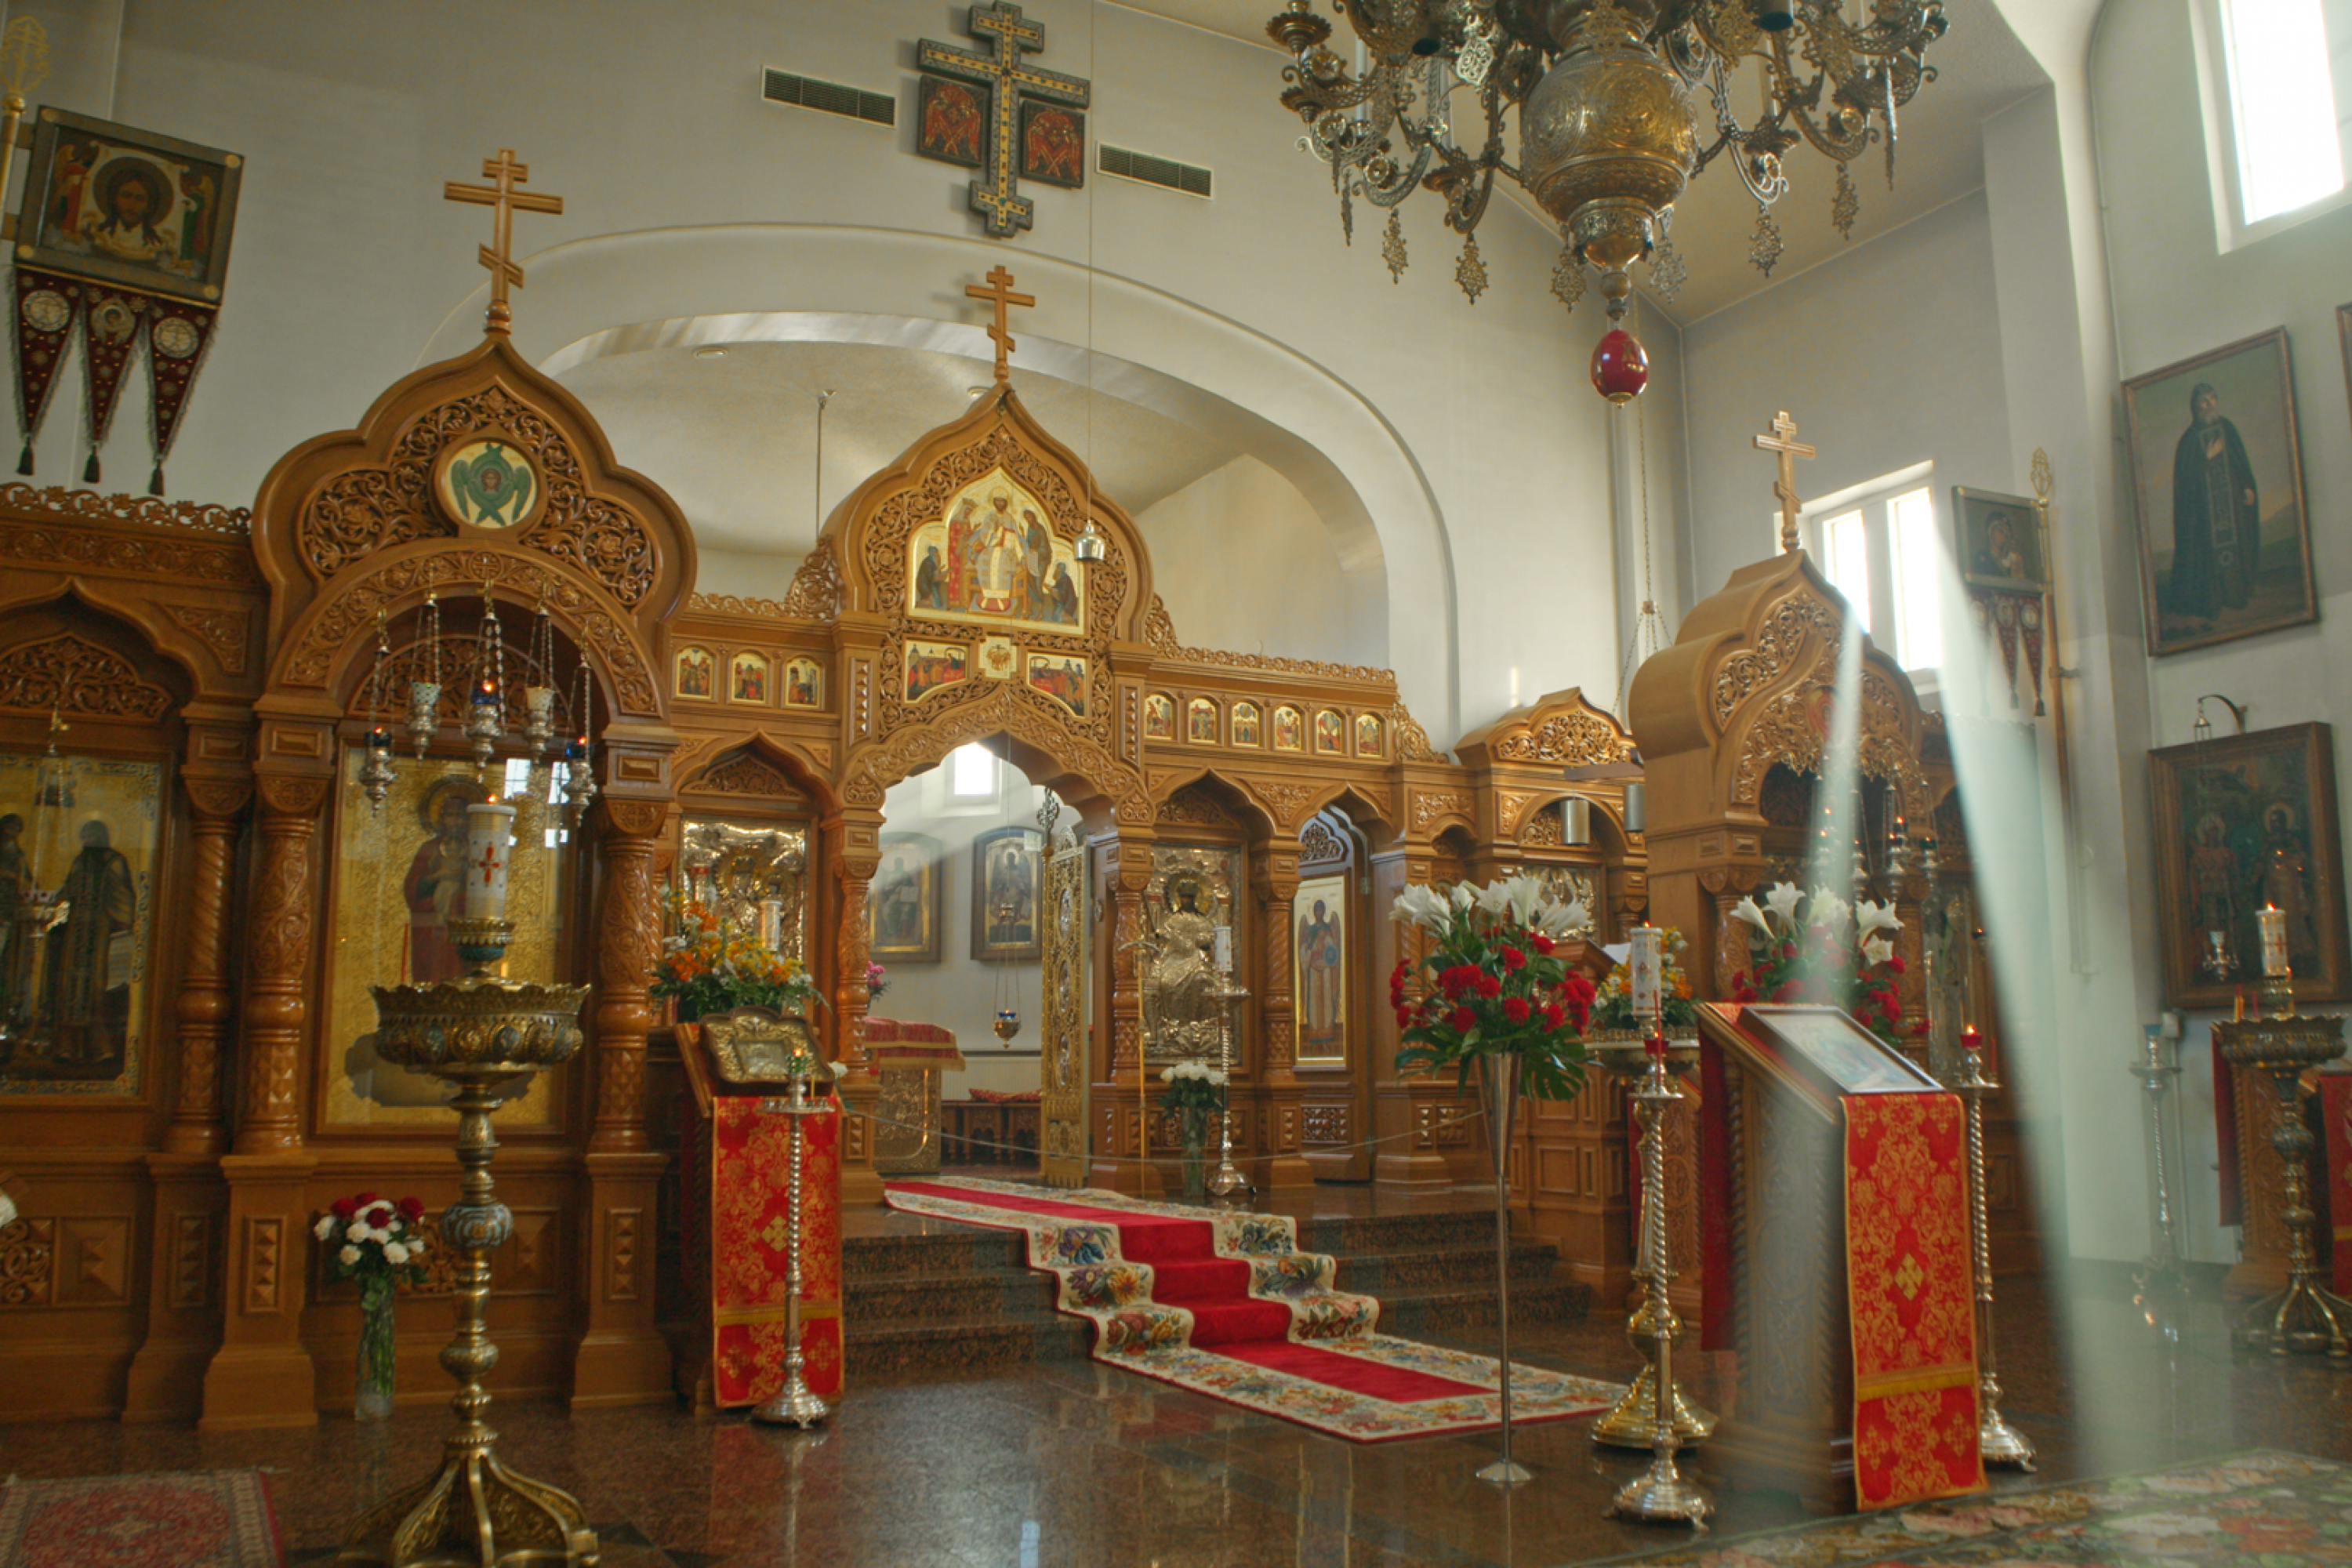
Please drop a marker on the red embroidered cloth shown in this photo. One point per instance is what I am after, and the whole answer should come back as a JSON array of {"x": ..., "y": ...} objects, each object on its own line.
[
  {"x": 1911, "y": 1297},
  {"x": 751, "y": 1169}
]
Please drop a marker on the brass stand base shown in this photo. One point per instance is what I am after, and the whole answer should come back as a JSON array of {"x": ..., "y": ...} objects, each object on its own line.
[
  {"x": 1632, "y": 1422},
  {"x": 792, "y": 1406},
  {"x": 449, "y": 1520},
  {"x": 1660, "y": 1496},
  {"x": 2002, "y": 1443},
  {"x": 1506, "y": 1473},
  {"x": 2306, "y": 1318}
]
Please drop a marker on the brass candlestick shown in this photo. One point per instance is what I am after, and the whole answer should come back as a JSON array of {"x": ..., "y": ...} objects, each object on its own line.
[
  {"x": 795, "y": 1404},
  {"x": 1659, "y": 1495},
  {"x": 479, "y": 1033},
  {"x": 1629, "y": 1422},
  {"x": 2158, "y": 1281},
  {"x": 1228, "y": 1183},
  {"x": 2305, "y": 1316},
  {"x": 1996, "y": 1440}
]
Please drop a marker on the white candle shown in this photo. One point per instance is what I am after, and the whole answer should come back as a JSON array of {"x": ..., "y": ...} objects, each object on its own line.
[
  {"x": 490, "y": 844},
  {"x": 1645, "y": 974},
  {"x": 1224, "y": 950},
  {"x": 2272, "y": 919}
]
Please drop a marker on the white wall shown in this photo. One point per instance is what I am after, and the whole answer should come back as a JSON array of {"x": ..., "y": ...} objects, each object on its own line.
[
  {"x": 1286, "y": 601},
  {"x": 2176, "y": 295},
  {"x": 347, "y": 262}
]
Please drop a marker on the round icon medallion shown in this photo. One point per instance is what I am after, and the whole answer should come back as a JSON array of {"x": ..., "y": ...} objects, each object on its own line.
[
  {"x": 488, "y": 482},
  {"x": 176, "y": 337},
  {"x": 46, "y": 311}
]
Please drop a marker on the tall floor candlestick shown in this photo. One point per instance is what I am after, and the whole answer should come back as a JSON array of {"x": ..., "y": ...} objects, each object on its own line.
[
  {"x": 1996, "y": 1440},
  {"x": 1498, "y": 1098},
  {"x": 1228, "y": 1183},
  {"x": 795, "y": 1404},
  {"x": 1660, "y": 1495}
]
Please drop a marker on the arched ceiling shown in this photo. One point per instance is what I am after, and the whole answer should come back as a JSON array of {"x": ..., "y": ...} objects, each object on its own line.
[{"x": 1981, "y": 66}]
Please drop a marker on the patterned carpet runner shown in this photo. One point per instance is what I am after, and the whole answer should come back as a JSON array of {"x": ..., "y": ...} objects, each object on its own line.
[
  {"x": 1226, "y": 1305},
  {"x": 209, "y": 1518}
]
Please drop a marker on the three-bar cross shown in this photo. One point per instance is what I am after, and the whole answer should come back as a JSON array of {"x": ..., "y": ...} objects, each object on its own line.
[
  {"x": 1784, "y": 440},
  {"x": 999, "y": 291},
  {"x": 1008, "y": 79},
  {"x": 505, "y": 201}
]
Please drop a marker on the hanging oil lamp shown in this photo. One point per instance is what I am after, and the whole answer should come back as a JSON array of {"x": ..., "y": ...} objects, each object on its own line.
[
  {"x": 424, "y": 694},
  {"x": 539, "y": 700},
  {"x": 376, "y": 771},
  {"x": 578, "y": 762},
  {"x": 486, "y": 712}
]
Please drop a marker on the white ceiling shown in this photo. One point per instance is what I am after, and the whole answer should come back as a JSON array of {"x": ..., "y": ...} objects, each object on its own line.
[{"x": 1982, "y": 69}]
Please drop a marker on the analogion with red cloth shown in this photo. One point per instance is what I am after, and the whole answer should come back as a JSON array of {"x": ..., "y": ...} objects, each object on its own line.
[
  {"x": 750, "y": 1171},
  {"x": 1911, "y": 1301}
]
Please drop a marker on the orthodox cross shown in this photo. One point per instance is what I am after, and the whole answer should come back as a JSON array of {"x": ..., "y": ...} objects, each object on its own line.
[
  {"x": 1007, "y": 78},
  {"x": 1784, "y": 440},
  {"x": 489, "y": 865},
  {"x": 505, "y": 201},
  {"x": 1000, "y": 292}
]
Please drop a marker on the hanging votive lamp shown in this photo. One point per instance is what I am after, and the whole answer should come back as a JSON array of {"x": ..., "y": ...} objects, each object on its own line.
[
  {"x": 1620, "y": 367},
  {"x": 1576, "y": 820},
  {"x": 1089, "y": 547},
  {"x": 1637, "y": 807}
]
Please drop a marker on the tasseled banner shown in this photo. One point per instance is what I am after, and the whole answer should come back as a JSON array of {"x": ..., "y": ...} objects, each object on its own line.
[
  {"x": 155, "y": 482},
  {"x": 89, "y": 470},
  {"x": 24, "y": 462}
]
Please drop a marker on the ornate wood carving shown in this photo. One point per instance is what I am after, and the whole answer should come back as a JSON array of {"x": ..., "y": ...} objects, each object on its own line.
[
  {"x": 65, "y": 673},
  {"x": 191, "y": 1262},
  {"x": 265, "y": 1263},
  {"x": 1430, "y": 805},
  {"x": 71, "y": 1260},
  {"x": 144, "y": 511},
  {"x": 628, "y": 937},
  {"x": 228, "y": 633},
  {"x": 815, "y": 593},
  {"x": 1545, "y": 829},
  {"x": 993, "y": 708},
  {"x": 1319, "y": 842},
  {"x": 277, "y": 963},
  {"x": 1284, "y": 801},
  {"x": 188, "y": 560},
  {"x": 1195, "y": 806},
  {"x": 731, "y": 604},
  {"x": 204, "y": 1004},
  {"x": 365, "y": 509},
  {"x": 747, "y": 774},
  {"x": 1575, "y": 739}
]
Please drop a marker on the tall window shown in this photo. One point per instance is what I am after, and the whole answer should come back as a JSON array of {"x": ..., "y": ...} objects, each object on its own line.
[
  {"x": 1880, "y": 546},
  {"x": 971, "y": 771},
  {"x": 2280, "y": 125}
]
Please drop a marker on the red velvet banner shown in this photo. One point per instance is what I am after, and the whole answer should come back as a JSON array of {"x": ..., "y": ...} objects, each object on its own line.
[
  {"x": 2335, "y": 1196},
  {"x": 750, "y": 1170},
  {"x": 1912, "y": 1302}
]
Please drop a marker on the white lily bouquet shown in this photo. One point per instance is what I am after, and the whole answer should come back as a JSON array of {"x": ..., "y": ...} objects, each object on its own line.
[
  {"x": 1816, "y": 947},
  {"x": 1491, "y": 984}
]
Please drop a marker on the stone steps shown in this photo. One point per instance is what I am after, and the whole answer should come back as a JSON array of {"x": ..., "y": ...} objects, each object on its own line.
[{"x": 964, "y": 1301}]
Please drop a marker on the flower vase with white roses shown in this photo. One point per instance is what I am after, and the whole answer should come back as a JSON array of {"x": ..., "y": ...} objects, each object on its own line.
[
  {"x": 1194, "y": 1091},
  {"x": 1816, "y": 947},
  {"x": 380, "y": 1242}
]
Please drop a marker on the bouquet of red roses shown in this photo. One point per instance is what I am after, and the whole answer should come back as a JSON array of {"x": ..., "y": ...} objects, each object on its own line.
[
  {"x": 374, "y": 1239},
  {"x": 1490, "y": 984},
  {"x": 1816, "y": 947}
]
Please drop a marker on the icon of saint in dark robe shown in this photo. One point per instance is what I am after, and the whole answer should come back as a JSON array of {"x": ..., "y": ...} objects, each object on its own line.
[
  {"x": 2216, "y": 515},
  {"x": 86, "y": 979}
]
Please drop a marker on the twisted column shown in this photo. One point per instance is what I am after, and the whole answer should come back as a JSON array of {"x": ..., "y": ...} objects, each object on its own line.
[{"x": 204, "y": 1004}]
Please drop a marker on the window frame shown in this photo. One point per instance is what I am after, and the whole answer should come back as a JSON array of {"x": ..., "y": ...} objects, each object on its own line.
[
  {"x": 1874, "y": 501},
  {"x": 2216, "y": 92}
]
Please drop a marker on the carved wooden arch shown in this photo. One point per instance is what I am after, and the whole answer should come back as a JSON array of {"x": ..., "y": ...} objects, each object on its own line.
[
  {"x": 1083, "y": 771},
  {"x": 327, "y": 648},
  {"x": 1232, "y": 792},
  {"x": 85, "y": 661},
  {"x": 1749, "y": 684},
  {"x": 709, "y": 773},
  {"x": 183, "y": 648},
  {"x": 1559, "y": 730},
  {"x": 336, "y": 503}
]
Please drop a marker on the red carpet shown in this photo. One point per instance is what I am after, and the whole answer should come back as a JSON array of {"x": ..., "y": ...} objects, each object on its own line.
[
  {"x": 1224, "y": 1304},
  {"x": 208, "y": 1518}
]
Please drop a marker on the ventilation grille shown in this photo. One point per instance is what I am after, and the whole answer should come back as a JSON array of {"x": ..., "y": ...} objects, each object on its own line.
[
  {"x": 1188, "y": 178},
  {"x": 831, "y": 97}
]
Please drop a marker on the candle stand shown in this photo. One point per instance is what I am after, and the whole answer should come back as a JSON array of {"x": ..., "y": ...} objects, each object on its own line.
[
  {"x": 1999, "y": 1442},
  {"x": 481, "y": 1034},
  {"x": 2157, "y": 1283},
  {"x": 1629, "y": 1422},
  {"x": 2306, "y": 1316},
  {"x": 1659, "y": 1495},
  {"x": 1228, "y": 1185},
  {"x": 795, "y": 1404}
]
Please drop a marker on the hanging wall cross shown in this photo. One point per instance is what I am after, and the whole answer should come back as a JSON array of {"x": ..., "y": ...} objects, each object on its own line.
[
  {"x": 505, "y": 201},
  {"x": 990, "y": 110},
  {"x": 1784, "y": 441},
  {"x": 999, "y": 293}
]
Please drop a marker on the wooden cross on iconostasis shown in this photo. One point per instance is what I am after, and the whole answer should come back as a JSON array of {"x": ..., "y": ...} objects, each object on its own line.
[
  {"x": 1025, "y": 123},
  {"x": 999, "y": 293},
  {"x": 505, "y": 201},
  {"x": 1784, "y": 440}
]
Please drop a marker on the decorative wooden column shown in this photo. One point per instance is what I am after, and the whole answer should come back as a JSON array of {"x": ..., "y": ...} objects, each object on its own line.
[
  {"x": 262, "y": 1374},
  {"x": 1414, "y": 1161},
  {"x": 166, "y": 1381},
  {"x": 1273, "y": 881},
  {"x": 1119, "y": 1095},
  {"x": 855, "y": 839},
  {"x": 621, "y": 1358}
]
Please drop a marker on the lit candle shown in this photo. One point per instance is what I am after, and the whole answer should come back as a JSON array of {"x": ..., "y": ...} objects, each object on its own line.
[
  {"x": 1645, "y": 974},
  {"x": 490, "y": 843},
  {"x": 1225, "y": 947},
  {"x": 2272, "y": 919}
]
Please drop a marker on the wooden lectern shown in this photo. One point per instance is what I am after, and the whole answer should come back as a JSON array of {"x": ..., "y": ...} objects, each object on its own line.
[{"x": 1837, "y": 1259}]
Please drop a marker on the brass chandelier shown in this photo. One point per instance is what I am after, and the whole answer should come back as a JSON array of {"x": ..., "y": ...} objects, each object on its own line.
[{"x": 1608, "y": 132}]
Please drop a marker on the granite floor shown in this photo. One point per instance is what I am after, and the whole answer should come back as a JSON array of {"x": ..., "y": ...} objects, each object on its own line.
[{"x": 1076, "y": 1464}]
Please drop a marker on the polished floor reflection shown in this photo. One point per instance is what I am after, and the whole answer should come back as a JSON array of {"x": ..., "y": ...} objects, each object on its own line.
[{"x": 1076, "y": 1464}]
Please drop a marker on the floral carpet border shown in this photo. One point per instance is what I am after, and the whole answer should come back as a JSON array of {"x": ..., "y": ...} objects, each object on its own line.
[
  {"x": 170, "y": 1518},
  {"x": 1135, "y": 1333},
  {"x": 2260, "y": 1509}
]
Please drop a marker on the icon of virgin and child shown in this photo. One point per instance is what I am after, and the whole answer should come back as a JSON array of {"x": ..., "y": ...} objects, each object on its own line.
[{"x": 994, "y": 558}]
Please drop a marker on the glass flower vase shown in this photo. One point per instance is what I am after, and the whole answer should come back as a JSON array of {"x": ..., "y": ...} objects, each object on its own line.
[
  {"x": 1196, "y": 1141},
  {"x": 372, "y": 1402}
]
